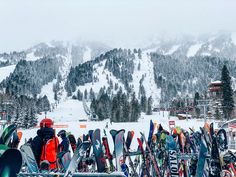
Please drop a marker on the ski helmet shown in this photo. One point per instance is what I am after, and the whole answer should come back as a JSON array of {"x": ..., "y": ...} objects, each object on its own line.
[
  {"x": 61, "y": 133},
  {"x": 46, "y": 123}
]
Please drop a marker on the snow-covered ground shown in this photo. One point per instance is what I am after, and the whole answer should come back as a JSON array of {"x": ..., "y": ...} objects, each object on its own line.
[
  {"x": 70, "y": 114},
  {"x": 193, "y": 50},
  {"x": 67, "y": 111},
  {"x": 6, "y": 71}
]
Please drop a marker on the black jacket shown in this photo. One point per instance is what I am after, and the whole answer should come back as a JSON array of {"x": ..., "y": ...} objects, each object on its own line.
[{"x": 43, "y": 135}]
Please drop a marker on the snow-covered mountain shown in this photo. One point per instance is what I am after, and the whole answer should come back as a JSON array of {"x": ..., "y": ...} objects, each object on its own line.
[
  {"x": 79, "y": 51},
  {"x": 64, "y": 71},
  {"x": 222, "y": 44}
]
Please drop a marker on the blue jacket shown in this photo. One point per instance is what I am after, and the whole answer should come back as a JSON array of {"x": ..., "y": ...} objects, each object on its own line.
[{"x": 64, "y": 145}]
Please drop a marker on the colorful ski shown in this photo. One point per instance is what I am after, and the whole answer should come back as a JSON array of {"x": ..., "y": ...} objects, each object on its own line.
[
  {"x": 7, "y": 133},
  {"x": 98, "y": 152},
  {"x": 77, "y": 157},
  {"x": 119, "y": 149},
  {"x": 151, "y": 155}
]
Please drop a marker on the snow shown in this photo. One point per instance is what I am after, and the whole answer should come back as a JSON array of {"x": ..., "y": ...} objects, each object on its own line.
[
  {"x": 48, "y": 91},
  {"x": 193, "y": 50},
  {"x": 172, "y": 50},
  {"x": 64, "y": 71},
  {"x": 72, "y": 111},
  {"x": 146, "y": 70},
  {"x": 68, "y": 111},
  {"x": 217, "y": 50},
  {"x": 2, "y": 59},
  {"x": 234, "y": 38},
  {"x": 210, "y": 47},
  {"x": 216, "y": 82},
  {"x": 194, "y": 81},
  {"x": 101, "y": 73},
  {"x": 6, "y": 71},
  {"x": 31, "y": 57},
  {"x": 87, "y": 54},
  {"x": 205, "y": 54}
]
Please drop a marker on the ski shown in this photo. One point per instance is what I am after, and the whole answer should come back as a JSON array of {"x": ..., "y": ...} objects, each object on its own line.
[{"x": 77, "y": 157}]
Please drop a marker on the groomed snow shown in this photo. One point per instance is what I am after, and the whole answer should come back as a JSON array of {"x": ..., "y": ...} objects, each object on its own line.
[
  {"x": 6, "y": 71},
  {"x": 193, "y": 50}
]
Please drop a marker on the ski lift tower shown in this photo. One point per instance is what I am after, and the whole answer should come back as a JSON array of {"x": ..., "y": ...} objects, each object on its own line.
[{"x": 204, "y": 104}]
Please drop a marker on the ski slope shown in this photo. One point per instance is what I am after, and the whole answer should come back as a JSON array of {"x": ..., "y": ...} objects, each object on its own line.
[{"x": 146, "y": 71}]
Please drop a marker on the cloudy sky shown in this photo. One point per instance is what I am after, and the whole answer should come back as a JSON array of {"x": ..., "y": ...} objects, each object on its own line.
[{"x": 115, "y": 22}]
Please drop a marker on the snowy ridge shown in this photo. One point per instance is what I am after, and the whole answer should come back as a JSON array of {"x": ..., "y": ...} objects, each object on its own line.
[
  {"x": 87, "y": 54},
  {"x": 31, "y": 56},
  {"x": 221, "y": 44},
  {"x": 6, "y": 71},
  {"x": 172, "y": 50},
  {"x": 193, "y": 50}
]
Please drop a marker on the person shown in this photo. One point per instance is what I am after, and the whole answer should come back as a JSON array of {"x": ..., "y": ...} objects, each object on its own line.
[
  {"x": 64, "y": 145},
  {"x": 44, "y": 145}
]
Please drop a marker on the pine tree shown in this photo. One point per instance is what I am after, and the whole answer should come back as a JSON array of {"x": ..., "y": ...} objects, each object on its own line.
[
  {"x": 197, "y": 109},
  {"x": 149, "y": 106},
  {"x": 144, "y": 103},
  {"x": 227, "y": 93}
]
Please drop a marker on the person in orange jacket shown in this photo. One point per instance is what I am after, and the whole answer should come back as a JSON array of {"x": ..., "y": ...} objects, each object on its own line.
[{"x": 45, "y": 144}]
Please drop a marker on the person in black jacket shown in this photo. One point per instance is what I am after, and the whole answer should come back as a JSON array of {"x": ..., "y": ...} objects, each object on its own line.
[
  {"x": 45, "y": 133},
  {"x": 64, "y": 145}
]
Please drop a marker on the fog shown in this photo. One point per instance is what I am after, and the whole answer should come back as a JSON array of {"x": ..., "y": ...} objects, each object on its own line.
[{"x": 125, "y": 23}]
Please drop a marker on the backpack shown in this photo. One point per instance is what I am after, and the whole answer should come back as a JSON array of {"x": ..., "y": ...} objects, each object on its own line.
[{"x": 49, "y": 152}]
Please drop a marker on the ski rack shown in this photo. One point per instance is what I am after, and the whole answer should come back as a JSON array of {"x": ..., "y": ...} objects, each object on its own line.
[{"x": 114, "y": 174}]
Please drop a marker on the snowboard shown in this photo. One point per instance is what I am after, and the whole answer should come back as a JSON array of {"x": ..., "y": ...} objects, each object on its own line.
[
  {"x": 28, "y": 158},
  {"x": 10, "y": 163}
]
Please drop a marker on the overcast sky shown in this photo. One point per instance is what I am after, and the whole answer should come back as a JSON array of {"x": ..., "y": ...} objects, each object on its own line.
[{"x": 116, "y": 22}]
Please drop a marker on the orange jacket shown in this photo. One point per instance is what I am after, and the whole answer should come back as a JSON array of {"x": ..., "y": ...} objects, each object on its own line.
[{"x": 49, "y": 152}]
